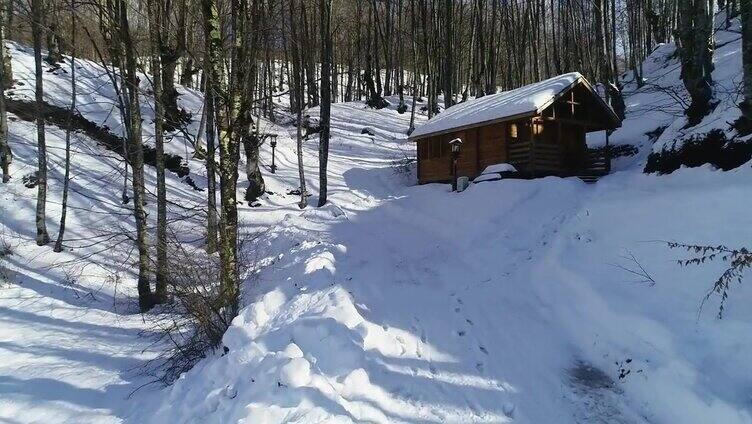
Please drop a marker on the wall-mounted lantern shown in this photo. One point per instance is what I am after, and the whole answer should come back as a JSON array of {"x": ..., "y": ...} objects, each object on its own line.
[{"x": 455, "y": 146}]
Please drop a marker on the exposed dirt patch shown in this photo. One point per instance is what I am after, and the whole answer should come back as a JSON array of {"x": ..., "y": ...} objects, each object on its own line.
[{"x": 713, "y": 148}]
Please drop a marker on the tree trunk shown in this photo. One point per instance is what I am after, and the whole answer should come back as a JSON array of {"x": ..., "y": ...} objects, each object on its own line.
[
  {"x": 66, "y": 179},
  {"x": 448, "y": 54},
  {"x": 227, "y": 102},
  {"x": 159, "y": 117},
  {"x": 325, "y": 9},
  {"x": 136, "y": 154},
  {"x": 54, "y": 55},
  {"x": 5, "y": 62},
  {"x": 211, "y": 172},
  {"x": 256, "y": 186},
  {"x": 211, "y": 149},
  {"x": 297, "y": 92},
  {"x": 6, "y": 155},
  {"x": 746, "y": 19},
  {"x": 172, "y": 112},
  {"x": 43, "y": 238},
  {"x": 696, "y": 51}
]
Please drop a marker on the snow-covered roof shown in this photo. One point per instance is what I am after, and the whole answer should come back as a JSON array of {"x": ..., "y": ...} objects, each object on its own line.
[{"x": 528, "y": 100}]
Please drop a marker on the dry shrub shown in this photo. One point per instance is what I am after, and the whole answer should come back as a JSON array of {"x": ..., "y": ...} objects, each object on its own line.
[
  {"x": 6, "y": 250},
  {"x": 193, "y": 321}
]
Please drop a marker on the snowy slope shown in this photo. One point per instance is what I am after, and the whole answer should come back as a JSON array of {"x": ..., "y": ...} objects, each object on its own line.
[
  {"x": 507, "y": 302},
  {"x": 655, "y": 120},
  {"x": 482, "y": 306},
  {"x": 395, "y": 302}
]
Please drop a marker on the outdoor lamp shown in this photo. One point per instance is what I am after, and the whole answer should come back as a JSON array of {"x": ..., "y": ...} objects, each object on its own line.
[{"x": 455, "y": 146}]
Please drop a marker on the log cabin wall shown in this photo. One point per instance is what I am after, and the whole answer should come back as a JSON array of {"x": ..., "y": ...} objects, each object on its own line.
[
  {"x": 434, "y": 160},
  {"x": 551, "y": 143},
  {"x": 492, "y": 148},
  {"x": 481, "y": 147}
]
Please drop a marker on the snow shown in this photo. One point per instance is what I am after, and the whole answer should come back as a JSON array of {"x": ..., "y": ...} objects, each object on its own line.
[
  {"x": 495, "y": 172},
  {"x": 658, "y": 104},
  {"x": 523, "y": 100},
  {"x": 405, "y": 313},
  {"x": 507, "y": 302},
  {"x": 499, "y": 167}
]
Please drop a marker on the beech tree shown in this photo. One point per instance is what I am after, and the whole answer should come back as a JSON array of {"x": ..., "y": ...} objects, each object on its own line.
[
  {"x": 695, "y": 36},
  {"x": 155, "y": 43},
  {"x": 325, "y": 14},
  {"x": 6, "y": 155},
  {"x": 233, "y": 122},
  {"x": 746, "y": 18},
  {"x": 37, "y": 16},
  {"x": 71, "y": 111}
]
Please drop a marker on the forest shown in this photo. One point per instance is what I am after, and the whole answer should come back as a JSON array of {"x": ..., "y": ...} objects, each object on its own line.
[{"x": 187, "y": 99}]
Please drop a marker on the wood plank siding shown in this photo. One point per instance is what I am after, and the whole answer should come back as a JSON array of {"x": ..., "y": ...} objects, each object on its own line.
[{"x": 481, "y": 147}]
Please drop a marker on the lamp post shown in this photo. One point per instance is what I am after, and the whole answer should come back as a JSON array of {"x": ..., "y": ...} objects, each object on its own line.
[
  {"x": 273, "y": 143},
  {"x": 455, "y": 146}
]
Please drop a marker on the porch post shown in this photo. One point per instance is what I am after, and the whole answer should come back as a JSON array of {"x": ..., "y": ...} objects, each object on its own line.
[{"x": 532, "y": 148}]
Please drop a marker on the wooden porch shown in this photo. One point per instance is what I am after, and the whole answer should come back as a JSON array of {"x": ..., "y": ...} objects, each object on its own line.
[{"x": 549, "y": 149}]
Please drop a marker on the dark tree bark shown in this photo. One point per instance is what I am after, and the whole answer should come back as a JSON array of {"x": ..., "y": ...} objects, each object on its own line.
[
  {"x": 325, "y": 11},
  {"x": 37, "y": 10},
  {"x": 746, "y": 19},
  {"x": 297, "y": 93},
  {"x": 66, "y": 178},
  {"x": 134, "y": 134},
  {"x": 695, "y": 35},
  {"x": 211, "y": 172},
  {"x": 256, "y": 185},
  {"x": 6, "y": 155},
  {"x": 155, "y": 37}
]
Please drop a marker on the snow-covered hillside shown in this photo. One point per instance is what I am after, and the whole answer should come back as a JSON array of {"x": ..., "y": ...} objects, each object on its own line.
[
  {"x": 509, "y": 302},
  {"x": 655, "y": 118}
]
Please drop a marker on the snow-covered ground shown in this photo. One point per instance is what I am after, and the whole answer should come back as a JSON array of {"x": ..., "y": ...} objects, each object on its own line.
[{"x": 509, "y": 302}]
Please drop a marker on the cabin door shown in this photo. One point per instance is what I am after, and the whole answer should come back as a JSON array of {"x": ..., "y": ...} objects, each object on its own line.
[{"x": 573, "y": 147}]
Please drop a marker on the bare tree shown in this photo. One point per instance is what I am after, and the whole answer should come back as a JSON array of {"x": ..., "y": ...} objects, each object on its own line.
[
  {"x": 211, "y": 154},
  {"x": 66, "y": 178},
  {"x": 746, "y": 18},
  {"x": 232, "y": 106},
  {"x": 6, "y": 155},
  {"x": 296, "y": 93},
  {"x": 695, "y": 35},
  {"x": 325, "y": 14},
  {"x": 37, "y": 13},
  {"x": 155, "y": 38}
]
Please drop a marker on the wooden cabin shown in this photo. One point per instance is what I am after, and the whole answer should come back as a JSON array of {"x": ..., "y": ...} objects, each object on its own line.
[{"x": 539, "y": 128}]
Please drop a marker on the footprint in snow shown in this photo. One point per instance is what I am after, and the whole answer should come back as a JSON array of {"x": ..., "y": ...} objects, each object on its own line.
[
  {"x": 483, "y": 349},
  {"x": 480, "y": 367},
  {"x": 457, "y": 309},
  {"x": 432, "y": 368},
  {"x": 467, "y": 320},
  {"x": 401, "y": 342},
  {"x": 461, "y": 333}
]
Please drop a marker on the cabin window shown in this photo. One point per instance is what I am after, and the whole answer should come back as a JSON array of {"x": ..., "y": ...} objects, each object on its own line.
[
  {"x": 513, "y": 130},
  {"x": 537, "y": 129}
]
